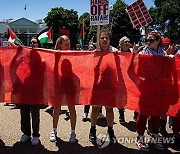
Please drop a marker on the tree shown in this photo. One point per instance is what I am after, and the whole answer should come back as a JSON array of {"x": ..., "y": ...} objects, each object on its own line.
[
  {"x": 60, "y": 17},
  {"x": 121, "y": 24},
  {"x": 85, "y": 17},
  {"x": 90, "y": 31},
  {"x": 166, "y": 17}
]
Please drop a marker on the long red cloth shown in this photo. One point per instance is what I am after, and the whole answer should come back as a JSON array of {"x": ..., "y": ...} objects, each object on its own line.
[{"x": 144, "y": 83}]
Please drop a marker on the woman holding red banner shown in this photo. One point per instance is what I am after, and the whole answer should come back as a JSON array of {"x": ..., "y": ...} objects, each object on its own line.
[
  {"x": 104, "y": 41},
  {"x": 154, "y": 47},
  {"x": 29, "y": 93},
  {"x": 124, "y": 46},
  {"x": 62, "y": 43}
]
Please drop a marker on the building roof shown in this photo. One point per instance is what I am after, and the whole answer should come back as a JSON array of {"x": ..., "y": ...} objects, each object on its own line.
[{"x": 22, "y": 21}]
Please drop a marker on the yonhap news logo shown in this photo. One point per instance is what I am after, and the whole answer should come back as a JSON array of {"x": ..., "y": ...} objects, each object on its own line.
[
  {"x": 149, "y": 140},
  {"x": 103, "y": 140}
]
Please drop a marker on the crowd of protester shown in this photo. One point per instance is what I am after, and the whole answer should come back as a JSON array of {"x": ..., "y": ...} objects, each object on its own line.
[{"x": 154, "y": 45}]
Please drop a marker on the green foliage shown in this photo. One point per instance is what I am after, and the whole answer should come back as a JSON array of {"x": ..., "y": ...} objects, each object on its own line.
[
  {"x": 121, "y": 25},
  {"x": 90, "y": 31},
  {"x": 60, "y": 17},
  {"x": 87, "y": 28},
  {"x": 166, "y": 17}
]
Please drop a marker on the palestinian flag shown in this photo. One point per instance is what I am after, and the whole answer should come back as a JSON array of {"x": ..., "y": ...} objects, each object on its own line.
[
  {"x": 81, "y": 34},
  {"x": 13, "y": 39},
  {"x": 45, "y": 36}
]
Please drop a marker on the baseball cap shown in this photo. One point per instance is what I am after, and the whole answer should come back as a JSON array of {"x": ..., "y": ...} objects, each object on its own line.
[
  {"x": 123, "y": 39},
  {"x": 166, "y": 40}
]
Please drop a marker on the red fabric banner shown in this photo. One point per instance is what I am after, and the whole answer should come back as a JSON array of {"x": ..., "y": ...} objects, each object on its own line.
[{"x": 144, "y": 83}]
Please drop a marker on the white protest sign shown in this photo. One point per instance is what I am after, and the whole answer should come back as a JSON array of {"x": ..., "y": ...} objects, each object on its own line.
[
  {"x": 99, "y": 12},
  {"x": 5, "y": 43}
]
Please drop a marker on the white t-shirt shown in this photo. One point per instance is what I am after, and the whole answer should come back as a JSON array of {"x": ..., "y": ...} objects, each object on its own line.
[{"x": 111, "y": 48}]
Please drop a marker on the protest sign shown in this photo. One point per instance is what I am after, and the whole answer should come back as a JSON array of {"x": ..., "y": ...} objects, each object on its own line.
[
  {"x": 138, "y": 14},
  {"x": 99, "y": 12}
]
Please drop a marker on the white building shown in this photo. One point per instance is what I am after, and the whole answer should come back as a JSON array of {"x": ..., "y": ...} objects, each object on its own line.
[
  {"x": 24, "y": 28},
  {"x": 3, "y": 32}
]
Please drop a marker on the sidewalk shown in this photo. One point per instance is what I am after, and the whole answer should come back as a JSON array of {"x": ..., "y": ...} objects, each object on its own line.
[{"x": 10, "y": 134}]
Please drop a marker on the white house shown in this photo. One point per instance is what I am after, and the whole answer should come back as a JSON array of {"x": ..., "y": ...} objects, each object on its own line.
[{"x": 24, "y": 28}]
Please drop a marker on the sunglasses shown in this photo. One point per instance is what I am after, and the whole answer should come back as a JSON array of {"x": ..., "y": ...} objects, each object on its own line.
[
  {"x": 33, "y": 42},
  {"x": 150, "y": 40}
]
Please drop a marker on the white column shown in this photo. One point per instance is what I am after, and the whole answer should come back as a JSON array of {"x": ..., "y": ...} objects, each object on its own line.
[{"x": 27, "y": 31}]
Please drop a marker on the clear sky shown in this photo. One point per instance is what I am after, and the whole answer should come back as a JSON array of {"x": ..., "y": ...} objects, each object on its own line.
[{"x": 38, "y": 9}]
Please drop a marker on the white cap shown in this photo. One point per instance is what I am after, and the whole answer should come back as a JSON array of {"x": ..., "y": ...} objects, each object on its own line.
[{"x": 123, "y": 39}]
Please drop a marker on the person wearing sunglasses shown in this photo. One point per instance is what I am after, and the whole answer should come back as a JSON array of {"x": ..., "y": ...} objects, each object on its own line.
[
  {"x": 153, "y": 44},
  {"x": 164, "y": 46},
  {"x": 154, "y": 47},
  {"x": 34, "y": 43},
  {"x": 168, "y": 49},
  {"x": 124, "y": 46},
  {"x": 30, "y": 92},
  {"x": 63, "y": 43}
]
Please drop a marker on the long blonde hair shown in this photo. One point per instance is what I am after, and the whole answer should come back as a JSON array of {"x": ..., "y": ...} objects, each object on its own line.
[{"x": 59, "y": 41}]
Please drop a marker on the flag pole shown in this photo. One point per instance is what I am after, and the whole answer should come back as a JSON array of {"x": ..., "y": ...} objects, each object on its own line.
[
  {"x": 111, "y": 21},
  {"x": 20, "y": 42},
  {"x": 97, "y": 38},
  {"x": 12, "y": 34},
  {"x": 83, "y": 37},
  {"x": 25, "y": 9}
]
